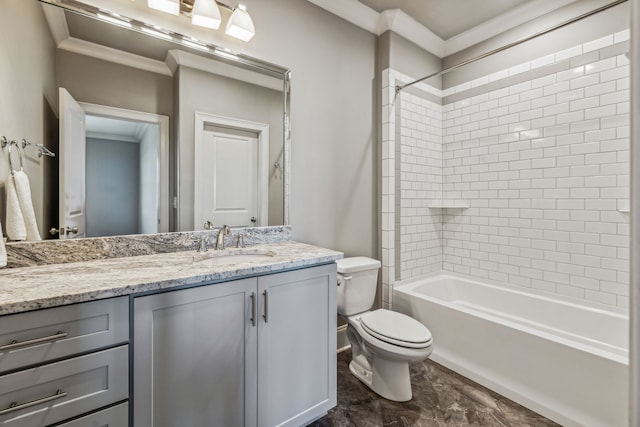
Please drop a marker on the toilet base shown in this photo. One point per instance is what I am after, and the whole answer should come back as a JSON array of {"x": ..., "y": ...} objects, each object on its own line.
[{"x": 389, "y": 379}]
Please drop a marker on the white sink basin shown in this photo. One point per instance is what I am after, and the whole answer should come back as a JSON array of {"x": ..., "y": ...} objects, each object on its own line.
[{"x": 230, "y": 258}]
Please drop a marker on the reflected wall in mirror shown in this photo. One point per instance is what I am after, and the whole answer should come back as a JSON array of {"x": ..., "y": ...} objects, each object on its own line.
[{"x": 131, "y": 165}]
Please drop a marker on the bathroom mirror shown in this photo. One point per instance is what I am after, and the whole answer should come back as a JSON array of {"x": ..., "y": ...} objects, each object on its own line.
[{"x": 177, "y": 132}]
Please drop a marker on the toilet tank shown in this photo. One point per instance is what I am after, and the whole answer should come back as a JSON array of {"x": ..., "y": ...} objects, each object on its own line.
[{"x": 357, "y": 284}]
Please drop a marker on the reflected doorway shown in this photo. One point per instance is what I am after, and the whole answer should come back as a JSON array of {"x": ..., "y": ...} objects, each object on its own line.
[
  {"x": 121, "y": 176},
  {"x": 113, "y": 170}
]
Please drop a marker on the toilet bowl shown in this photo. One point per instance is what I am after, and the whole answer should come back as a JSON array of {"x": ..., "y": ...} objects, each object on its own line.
[{"x": 383, "y": 342}]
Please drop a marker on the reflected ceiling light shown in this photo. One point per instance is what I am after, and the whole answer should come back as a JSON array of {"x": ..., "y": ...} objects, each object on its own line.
[
  {"x": 240, "y": 24},
  {"x": 168, "y": 6},
  {"x": 225, "y": 53},
  {"x": 156, "y": 33},
  {"x": 206, "y": 14},
  {"x": 195, "y": 44},
  {"x": 113, "y": 20}
]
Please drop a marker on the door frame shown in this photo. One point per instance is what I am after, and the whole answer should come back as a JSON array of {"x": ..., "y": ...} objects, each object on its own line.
[
  {"x": 163, "y": 149},
  {"x": 262, "y": 131}
]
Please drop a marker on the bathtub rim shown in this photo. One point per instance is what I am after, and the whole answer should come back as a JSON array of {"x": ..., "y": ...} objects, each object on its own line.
[{"x": 408, "y": 287}]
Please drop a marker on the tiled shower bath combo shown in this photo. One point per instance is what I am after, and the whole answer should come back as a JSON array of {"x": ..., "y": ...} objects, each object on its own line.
[{"x": 519, "y": 178}]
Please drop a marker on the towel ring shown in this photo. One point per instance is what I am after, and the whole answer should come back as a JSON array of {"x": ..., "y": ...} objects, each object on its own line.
[{"x": 12, "y": 143}]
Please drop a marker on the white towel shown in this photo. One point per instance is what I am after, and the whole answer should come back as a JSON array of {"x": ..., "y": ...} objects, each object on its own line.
[
  {"x": 16, "y": 229},
  {"x": 26, "y": 205}
]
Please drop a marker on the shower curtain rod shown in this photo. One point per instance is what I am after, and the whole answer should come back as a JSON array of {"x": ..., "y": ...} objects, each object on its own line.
[{"x": 512, "y": 44}]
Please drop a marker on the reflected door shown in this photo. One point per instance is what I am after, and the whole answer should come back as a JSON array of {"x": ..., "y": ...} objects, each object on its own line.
[
  {"x": 226, "y": 179},
  {"x": 72, "y": 167}
]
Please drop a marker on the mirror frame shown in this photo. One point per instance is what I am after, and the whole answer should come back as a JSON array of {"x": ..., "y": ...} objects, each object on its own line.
[{"x": 218, "y": 53}]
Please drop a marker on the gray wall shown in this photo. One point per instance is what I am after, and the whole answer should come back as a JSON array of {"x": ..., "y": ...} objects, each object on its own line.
[
  {"x": 106, "y": 83},
  {"x": 404, "y": 56},
  {"x": 199, "y": 91},
  {"x": 112, "y": 187},
  {"x": 333, "y": 110},
  {"x": 27, "y": 87}
]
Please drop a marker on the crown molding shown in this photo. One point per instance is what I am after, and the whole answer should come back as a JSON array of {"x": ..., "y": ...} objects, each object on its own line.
[
  {"x": 402, "y": 24},
  {"x": 377, "y": 23},
  {"x": 177, "y": 58},
  {"x": 104, "y": 53},
  {"x": 57, "y": 23},
  {"x": 501, "y": 23},
  {"x": 60, "y": 32},
  {"x": 352, "y": 11}
]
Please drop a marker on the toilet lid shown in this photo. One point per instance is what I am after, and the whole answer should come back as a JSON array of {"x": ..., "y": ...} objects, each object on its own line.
[{"x": 396, "y": 328}]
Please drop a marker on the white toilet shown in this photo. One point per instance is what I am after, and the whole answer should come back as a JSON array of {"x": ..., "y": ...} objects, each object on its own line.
[{"x": 383, "y": 342}]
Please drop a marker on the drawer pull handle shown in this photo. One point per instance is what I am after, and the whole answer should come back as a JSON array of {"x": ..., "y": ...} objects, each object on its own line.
[
  {"x": 15, "y": 406},
  {"x": 15, "y": 344}
]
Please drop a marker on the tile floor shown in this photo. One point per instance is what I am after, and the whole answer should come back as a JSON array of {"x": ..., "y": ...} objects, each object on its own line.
[{"x": 440, "y": 398}]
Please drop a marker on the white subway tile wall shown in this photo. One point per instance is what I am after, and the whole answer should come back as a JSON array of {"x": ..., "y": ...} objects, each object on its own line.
[
  {"x": 421, "y": 181},
  {"x": 542, "y": 162}
]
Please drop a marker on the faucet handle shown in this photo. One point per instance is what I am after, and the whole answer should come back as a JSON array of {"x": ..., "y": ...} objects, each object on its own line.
[
  {"x": 202, "y": 243},
  {"x": 240, "y": 243}
]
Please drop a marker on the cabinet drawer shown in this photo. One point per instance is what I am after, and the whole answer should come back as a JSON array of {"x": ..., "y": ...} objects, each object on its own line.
[
  {"x": 43, "y": 335},
  {"x": 58, "y": 391},
  {"x": 116, "y": 416}
]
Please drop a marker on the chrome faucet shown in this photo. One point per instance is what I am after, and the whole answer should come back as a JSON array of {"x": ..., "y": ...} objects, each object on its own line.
[{"x": 224, "y": 231}]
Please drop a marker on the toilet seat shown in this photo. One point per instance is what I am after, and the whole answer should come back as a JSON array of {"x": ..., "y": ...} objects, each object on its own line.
[{"x": 395, "y": 328}]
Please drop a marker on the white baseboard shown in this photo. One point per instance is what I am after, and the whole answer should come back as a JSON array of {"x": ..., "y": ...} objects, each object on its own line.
[{"x": 343, "y": 341}]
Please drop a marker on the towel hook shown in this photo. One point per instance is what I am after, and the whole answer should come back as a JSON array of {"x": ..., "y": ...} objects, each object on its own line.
[
  {"x": 9, "y": 145},
  {"x": 42, "y": 150}
]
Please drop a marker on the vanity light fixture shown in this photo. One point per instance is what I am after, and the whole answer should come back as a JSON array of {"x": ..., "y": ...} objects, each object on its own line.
[
  {"x": 206, "y": 14},
  {"x": 240, "y": 24},
  {"x": 168, "y": 6}
]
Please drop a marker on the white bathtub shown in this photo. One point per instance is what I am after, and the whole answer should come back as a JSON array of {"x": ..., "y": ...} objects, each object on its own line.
[{"x": 566, "y": 361}]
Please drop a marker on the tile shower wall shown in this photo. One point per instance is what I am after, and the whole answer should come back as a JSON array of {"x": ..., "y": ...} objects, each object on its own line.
[
  {"x": 544, "y": 164},
  {"x": 539, "y": 152},
  {"x": 419, "y": 160}
]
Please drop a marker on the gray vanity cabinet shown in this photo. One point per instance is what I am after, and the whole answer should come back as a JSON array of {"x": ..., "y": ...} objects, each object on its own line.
[
  {"x": 60, "y": 363},
  {"x": 194, "y": 357},
  {"x": 251, "y": 352}
]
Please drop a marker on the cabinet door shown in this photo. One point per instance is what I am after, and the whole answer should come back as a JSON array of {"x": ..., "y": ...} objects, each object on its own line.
[
  {"x": 195, "y": 357},
  {"x": 296, "y": 346}
]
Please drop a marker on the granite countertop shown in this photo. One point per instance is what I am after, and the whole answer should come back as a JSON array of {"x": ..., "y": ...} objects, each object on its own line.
[{"x": 31, "y": 288}]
